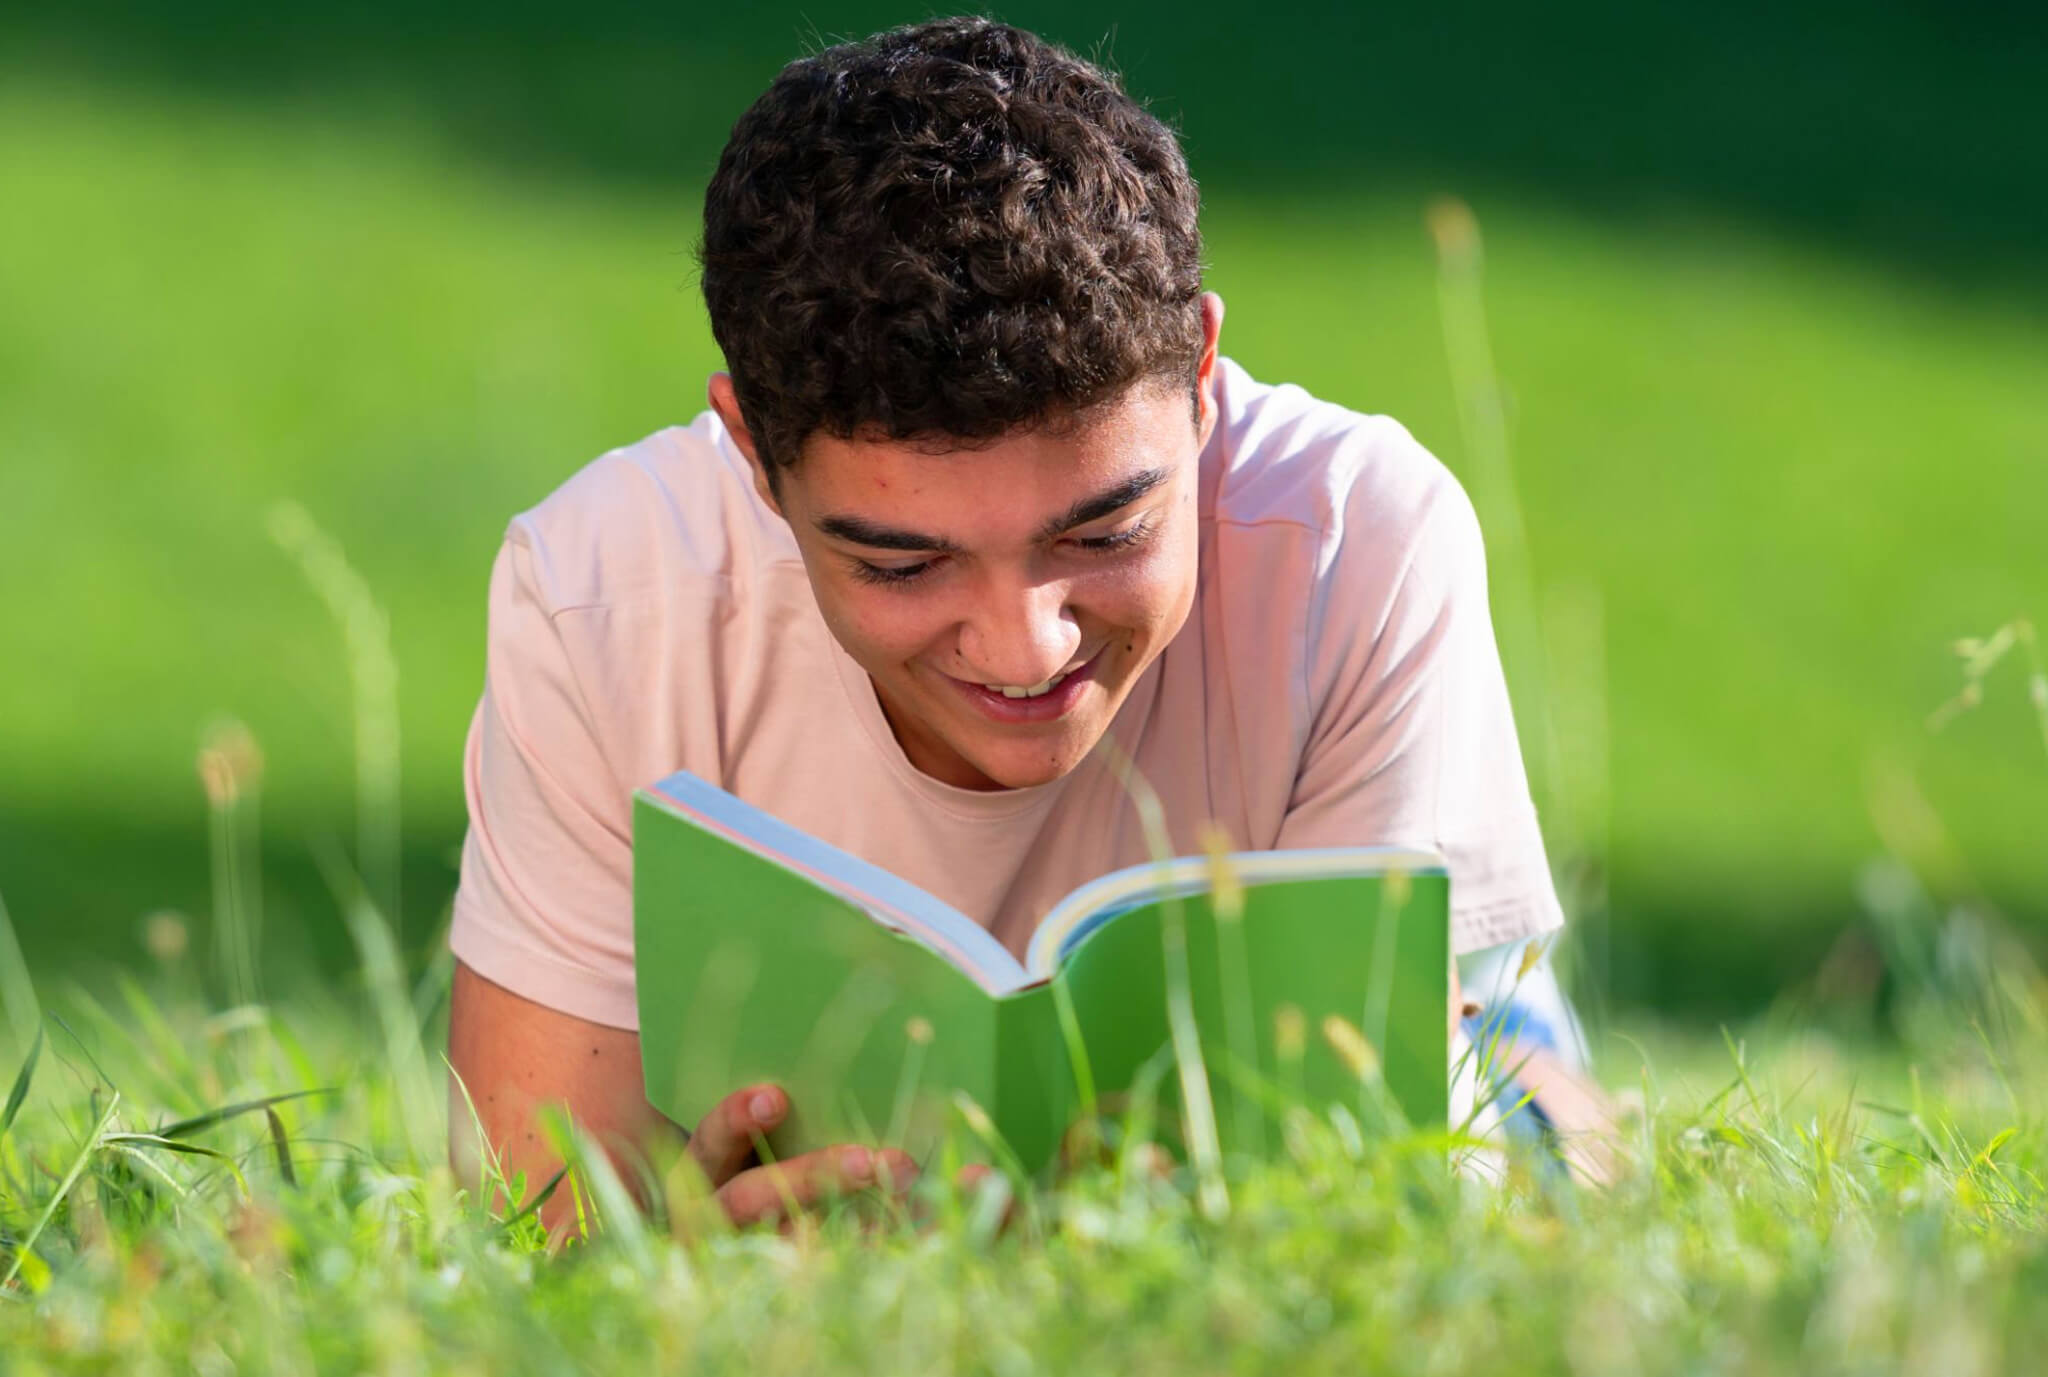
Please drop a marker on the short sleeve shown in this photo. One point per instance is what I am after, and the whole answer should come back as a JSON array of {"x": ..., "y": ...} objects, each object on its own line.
[
  {"x": 545, "y": 904},
  {"x": 1411, "y": 737}
]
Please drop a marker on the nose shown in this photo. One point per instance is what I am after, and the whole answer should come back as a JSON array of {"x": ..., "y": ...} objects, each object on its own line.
[{"x": 1019, "y": 636}]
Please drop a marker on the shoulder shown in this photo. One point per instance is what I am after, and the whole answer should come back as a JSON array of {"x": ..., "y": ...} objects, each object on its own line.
[
  {"x": 672, "y": 512},
  {"x": 1364, "y": 494}
]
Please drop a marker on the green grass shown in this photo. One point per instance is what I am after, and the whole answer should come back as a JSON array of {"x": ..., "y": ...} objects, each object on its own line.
[
  {"x": 1773, "y": 458},
  {"x": 1796, "y": 1203},
  {"x": 1765, "y": 487}
]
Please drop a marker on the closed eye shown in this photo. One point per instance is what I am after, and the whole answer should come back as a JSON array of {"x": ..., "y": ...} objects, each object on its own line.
[
  {"x": 891, "y": 574},
  {"x": 897, "y": 575},
  {"x": 1133, "y": 534}
]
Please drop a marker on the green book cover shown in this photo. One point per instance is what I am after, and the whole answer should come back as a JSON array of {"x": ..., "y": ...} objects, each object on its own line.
[{"x": 765, "y": 954}]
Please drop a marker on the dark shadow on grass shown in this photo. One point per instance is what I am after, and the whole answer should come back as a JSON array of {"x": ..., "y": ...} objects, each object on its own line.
[
  {"x": 80, "y": 888},
  {"x": 80, "y": 885},
  {"x": 1906, "y": 132}
]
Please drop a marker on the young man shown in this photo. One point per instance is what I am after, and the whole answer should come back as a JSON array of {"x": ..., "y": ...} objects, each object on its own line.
[{"x": 976, "y": 492}]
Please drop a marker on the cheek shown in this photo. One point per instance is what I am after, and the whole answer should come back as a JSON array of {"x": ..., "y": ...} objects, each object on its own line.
[
  {"x": 1142, "y": 593},
  {"x": 875, "y": 626}
]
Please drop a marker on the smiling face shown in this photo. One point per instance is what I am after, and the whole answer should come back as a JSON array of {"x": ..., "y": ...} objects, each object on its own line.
[{"x": 1005, "y": 597}]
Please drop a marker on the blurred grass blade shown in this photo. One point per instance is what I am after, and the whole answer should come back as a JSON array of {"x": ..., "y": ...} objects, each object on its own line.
[
  {"x": 991, "y": 1138},
  {"x": 917, "y": 1036},
  {"x": 184, "y": 1128},
  {"x": 391, "y": 1001},
  {"x": 1490, "y": 473},
  {"x": 84, "y": 1047},
  {"x": 492, "y": 1181},
  {"x": 1999, "y": 1140},
  {"x": 1233, "y": 978},
  {"x": 430, "y": 991},
  {"x": 616, "y": 1211},
  {"x": 17, "y": 991},
  {"x": 540, "y": 1198},
  {"x": 373, "y": 677},
  {"x": 622, "y": 1217},
  {"x": 156, "y": 1030},
  {"x": 281, "y": 1144},
  {"x": 1076, "y": 1045},
  {"x": 142, "y": 1161},
  {"x": 158, "y": 1140},
  {"x": 26, "y": 1246},
  {"x": 231, "y": 771},
  {"x": 1141, "y": 1114},
  {"x": 179, "y": 1146},
  {"x": 1198, "y": 1108},
  {"x": 35, "y": 1273},
  {"x": 21, "y": 1080}
]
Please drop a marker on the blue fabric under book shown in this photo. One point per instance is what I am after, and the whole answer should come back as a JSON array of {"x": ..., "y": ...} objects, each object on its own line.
[{"x": 1518, "y": 1008}]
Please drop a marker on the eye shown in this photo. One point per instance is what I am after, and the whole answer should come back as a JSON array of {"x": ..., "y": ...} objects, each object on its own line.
[
  {"x": 891, "y": 574},
  {"x": 1133, "y": 534}
]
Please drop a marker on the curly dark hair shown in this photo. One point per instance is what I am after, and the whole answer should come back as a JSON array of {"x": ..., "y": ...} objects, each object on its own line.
[{"x": 950, "y": 229}]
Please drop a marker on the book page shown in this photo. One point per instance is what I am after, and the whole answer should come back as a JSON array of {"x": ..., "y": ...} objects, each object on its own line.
[
  {"x": 889, "y": 899},
  {"x": 1097, "y": 902}
]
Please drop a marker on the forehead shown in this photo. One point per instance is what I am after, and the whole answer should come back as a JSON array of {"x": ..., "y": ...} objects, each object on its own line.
[{"x": 1028, "y": 473}]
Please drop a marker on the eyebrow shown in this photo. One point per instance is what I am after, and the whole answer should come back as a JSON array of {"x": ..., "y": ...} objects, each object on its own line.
[
  {"x": 1103, "y": 503},
  {"x": 858, "y": 530}
]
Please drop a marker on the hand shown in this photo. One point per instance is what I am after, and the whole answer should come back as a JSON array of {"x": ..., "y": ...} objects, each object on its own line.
[{"x": 723, "y": 1148}]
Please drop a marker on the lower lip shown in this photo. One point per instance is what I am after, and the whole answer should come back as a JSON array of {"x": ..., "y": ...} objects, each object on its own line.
[{"x": 1054, "y": 703}]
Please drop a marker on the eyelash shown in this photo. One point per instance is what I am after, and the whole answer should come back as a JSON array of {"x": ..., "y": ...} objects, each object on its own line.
[
  {"x": 883, "y": 574},
  {"x": 1129, "y": 536}
]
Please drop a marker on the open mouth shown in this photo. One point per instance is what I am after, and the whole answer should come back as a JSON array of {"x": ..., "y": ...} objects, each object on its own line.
[
  {"x": 1035, "y": 691},
  {"x": 1041, "y": 702}
]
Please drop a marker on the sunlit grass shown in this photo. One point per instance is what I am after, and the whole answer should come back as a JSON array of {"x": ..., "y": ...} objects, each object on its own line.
[
  {"x": 1751, "y": 511},
  {"x": 1787, "y": 1206}
]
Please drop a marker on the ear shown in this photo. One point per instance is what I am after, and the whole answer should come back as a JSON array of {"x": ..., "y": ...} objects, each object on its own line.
[
  {"x": 726, "y": 402},
  {"x": 1205, "y": 371}
]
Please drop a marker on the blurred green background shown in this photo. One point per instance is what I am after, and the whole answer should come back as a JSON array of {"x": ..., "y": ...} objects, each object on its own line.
[{"x": 1768, "y": 293}]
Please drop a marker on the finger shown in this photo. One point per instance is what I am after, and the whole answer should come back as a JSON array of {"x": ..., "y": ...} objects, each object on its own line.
[
  {"x": 895, "y": 1171},
  {"x": 781, "y": 1189},
  {"x": 725, "y": 1138}
]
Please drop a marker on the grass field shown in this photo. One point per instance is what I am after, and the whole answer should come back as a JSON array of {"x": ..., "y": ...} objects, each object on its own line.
[
  {"x": 1789, "y": 1203},
  {"x": 1764, "y": 294},
  {"x": 1765, "y": 487}
]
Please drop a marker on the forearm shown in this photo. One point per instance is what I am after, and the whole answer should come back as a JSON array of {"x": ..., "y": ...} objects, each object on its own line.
[{"x": 514, "y": 1057}]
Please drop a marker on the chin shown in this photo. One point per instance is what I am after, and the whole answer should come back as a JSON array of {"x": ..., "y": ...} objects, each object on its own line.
[
  {"x": 1024, "y": 776},
  {"x": 1023, "y": 770}
]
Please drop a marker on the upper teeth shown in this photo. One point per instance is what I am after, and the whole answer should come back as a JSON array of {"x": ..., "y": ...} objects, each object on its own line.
[{"x": 1010, "y": 692}]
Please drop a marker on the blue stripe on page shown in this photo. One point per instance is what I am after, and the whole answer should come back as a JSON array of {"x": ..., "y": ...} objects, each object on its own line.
[
  {"x": 859, "y": 881},
  {"x": 1079, "y": 933}
]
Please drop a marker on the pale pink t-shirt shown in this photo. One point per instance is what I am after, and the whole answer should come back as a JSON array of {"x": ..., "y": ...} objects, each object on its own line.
[{"x": 1337, "y": 683}]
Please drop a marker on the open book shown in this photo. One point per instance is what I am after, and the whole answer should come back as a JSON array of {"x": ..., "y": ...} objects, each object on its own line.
[{"x": 765, "y": 954}]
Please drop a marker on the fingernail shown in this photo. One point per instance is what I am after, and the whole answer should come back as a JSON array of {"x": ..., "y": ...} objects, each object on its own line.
[
  {"x": 856, "y": 1163},
  {"x": 766, "y": 1106}
]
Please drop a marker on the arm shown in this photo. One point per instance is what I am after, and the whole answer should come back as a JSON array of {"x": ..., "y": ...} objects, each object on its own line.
[
  {"x": 543, "y": 937},
  {"x": 514, "y": 1056}
]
